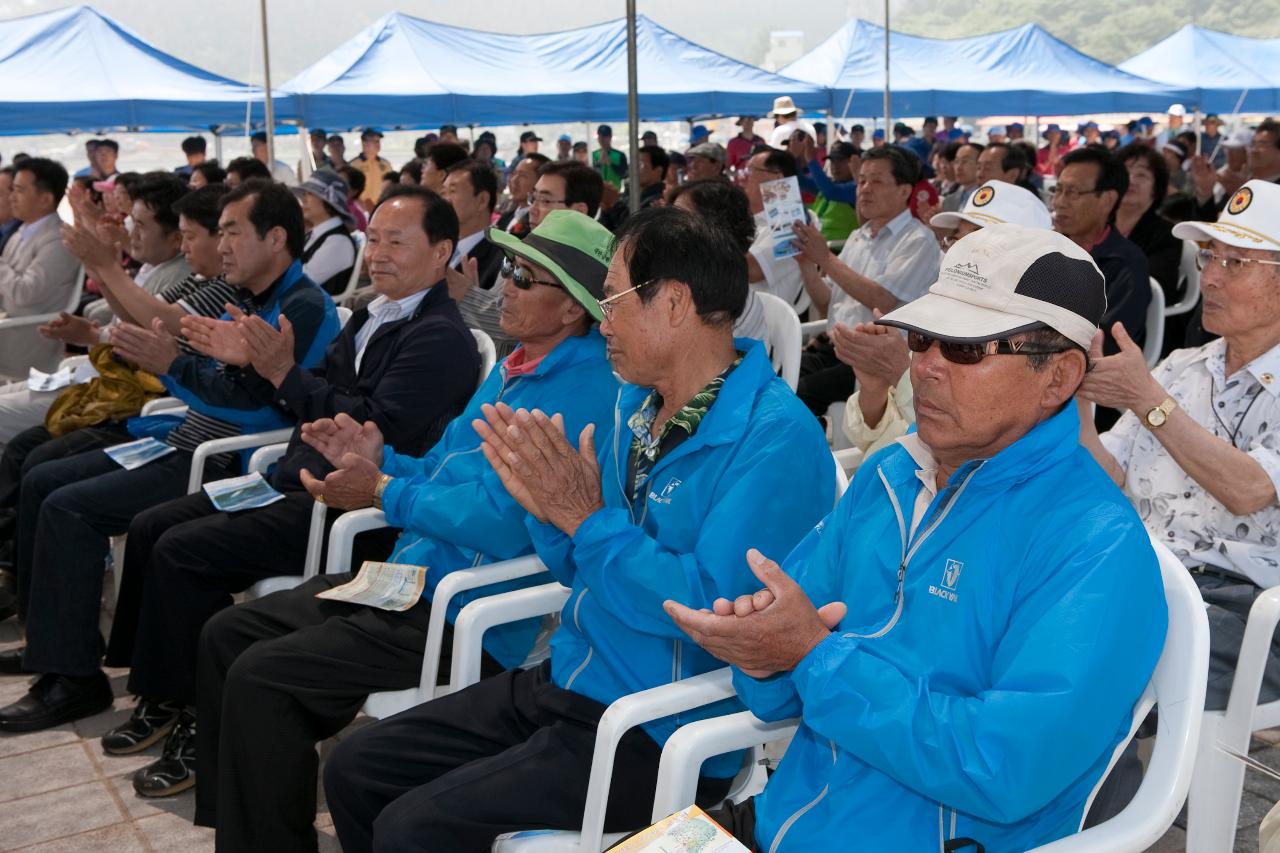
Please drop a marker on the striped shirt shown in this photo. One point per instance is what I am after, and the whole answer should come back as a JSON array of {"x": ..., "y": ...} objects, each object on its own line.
[{"x": 200, "y": 297}]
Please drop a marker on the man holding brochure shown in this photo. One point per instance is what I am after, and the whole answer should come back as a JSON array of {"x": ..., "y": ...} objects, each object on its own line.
[{"x": 406, "y": 363}]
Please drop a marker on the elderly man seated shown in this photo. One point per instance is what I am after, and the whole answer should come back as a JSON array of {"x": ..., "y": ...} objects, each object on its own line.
[
  {"x": 406, "y": 363},
  {"x": 966, "y": 636},
  {"x": 279, "y": 674},
  {"x": 704, "y": 436},
  {"x": 1197, "y": 448}
]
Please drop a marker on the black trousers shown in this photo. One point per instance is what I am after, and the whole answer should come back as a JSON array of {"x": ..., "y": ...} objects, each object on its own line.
[
  {"x": 512, "y": 752},
  {"x": 824, "y": 379},
  {"x": 33, "y": 446},
  {"x": 183, "y": 561},
  {"x": 275, "y": 677},
  {"x": 70, "y": 508}
]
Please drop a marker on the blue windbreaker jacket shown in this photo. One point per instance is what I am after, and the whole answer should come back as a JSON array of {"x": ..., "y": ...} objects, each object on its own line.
[
  {"x": 987, "y": 669},
  {"x": 756, "y": 473},
  {"x": 456, "y": 513}
]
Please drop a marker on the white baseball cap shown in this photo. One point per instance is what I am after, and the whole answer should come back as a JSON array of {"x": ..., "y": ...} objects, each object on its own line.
[
  {"x": 1240, "y": 139},
  {"x": 997, "y": 130},
  {"x": 1251, "y": 220},
  {"x": 996, "y": 202},
  {"x": 1005, "y": 279},
  {"x": 782, "y": 133},
  {"x": 1176, "y": 110}
]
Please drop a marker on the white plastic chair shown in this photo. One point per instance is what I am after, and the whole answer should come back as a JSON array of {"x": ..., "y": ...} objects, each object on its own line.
[
  {"x": 1189, "y": 278},
  {"x": 1177, "y": 688},
  {"x": 782, "y": 338},
  {"x": 1155, "y": 325},
  {"x": 73, "y": 302},
  {"x": 812, "y": 329},
  {"x": 1213, "y": 805},
  {"x": 353, "y": 281}
]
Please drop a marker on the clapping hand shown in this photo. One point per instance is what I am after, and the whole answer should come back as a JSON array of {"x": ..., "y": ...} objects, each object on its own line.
[
  {"x": 877, "y": 354},
  {"x": 349, "y": 486},
  {"x": 270, "y": 349},
  {"x": 72, "y": 330},
  {"x": 153, "y": 350},
  {"x": 221, "y": 340},
  {"x": 812, "y": 245},
  {"x": 1121, "y": 381},
  {"x": 460, "y": 281},
  {"x": 339, "y": 436},
  {"x": 767, "y": 632}
]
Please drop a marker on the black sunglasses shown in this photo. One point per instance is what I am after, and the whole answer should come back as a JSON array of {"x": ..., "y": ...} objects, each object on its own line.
[
  {"x": 521, "y": 277},
  {"x": 975, "y": 352}
]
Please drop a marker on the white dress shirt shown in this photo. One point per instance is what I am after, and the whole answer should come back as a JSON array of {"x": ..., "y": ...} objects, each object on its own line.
[
  {"x": 464, "y": 247},
  {"x": 1243, "y": 409},
  {"x": 903, "y": 258},
  {"x": 29, "y": 229},
  {"x": 382, "y": 311}
]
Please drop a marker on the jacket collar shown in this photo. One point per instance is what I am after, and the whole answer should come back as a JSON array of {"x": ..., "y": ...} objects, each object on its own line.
[{"x": 573, "y": 350}]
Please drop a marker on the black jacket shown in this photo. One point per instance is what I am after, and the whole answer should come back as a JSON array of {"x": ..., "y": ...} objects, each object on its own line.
[
  {"x": 417, "y": 374},
  {"x": 488, "y": 258},
  {"x": 1128, "y": 287},
  {"x": 1153, "y": 234}
]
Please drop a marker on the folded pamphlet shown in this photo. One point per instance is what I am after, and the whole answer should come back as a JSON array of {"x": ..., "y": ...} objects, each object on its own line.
[
  {"x": 386, "y": 586},
  {"x": 135, "y": 454},
  {"x": 239, "y": 493},
  {"x": 783, "y": 208},
  {"x": 686, "y": 831}
]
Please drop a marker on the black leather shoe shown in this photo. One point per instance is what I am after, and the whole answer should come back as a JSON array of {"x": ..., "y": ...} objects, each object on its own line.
[
  {"x": 56, "y": 699},
  {"x": 11, "y": 661},
  {"x": 175, "y": 771}
]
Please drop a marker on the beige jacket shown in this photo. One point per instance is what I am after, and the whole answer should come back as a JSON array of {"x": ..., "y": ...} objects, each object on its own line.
[{"x": 37, "y": 275}]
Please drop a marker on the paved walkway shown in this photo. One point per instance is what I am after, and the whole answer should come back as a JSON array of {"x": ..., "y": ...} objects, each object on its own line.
[{"x": 60, "y": 794}]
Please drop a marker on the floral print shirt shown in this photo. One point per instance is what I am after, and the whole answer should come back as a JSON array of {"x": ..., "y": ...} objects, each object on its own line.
[{"x": 1243, "y": 409}]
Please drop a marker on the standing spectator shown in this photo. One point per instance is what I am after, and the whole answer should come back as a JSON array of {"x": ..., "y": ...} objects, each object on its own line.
[
  {"x": 581, "y": 154},
  {"x": 280, "y": 170},
  {"x": 1212, "y": 141},
  {"x": 699, "y": 134},
  {"x": 739, "y": 149},
  {"x": 336, "y": 147},
  {"x": 1176, "y": 115},
  {"x": 528, "y": 145},
  {"x": 857, "y": 135},
  {"x": 105, "y": 154},
  {"x": 838, "y": 194},
  {"x": 486, "y": 151},
  {"x": 449, "y": 133},
  {"x": 319, "y": 160},
  {"x": 1055, "y": 145},
  {"x": 329, "y": 253},
  {"x": 564, "y": 148},
  {"x": 784, "y": 112},
  {"x": 652, "y": 173},
  {"x": 372, "y": 166},
  {"x": 1085, "y": 201},
  {"x": 193, "y": 147},
  {"x": 1014, "y": 131},
  {"x": 37, "y": 273},
  {"x": 90, "y": 171},
  {"x": 609, "y": 162}
]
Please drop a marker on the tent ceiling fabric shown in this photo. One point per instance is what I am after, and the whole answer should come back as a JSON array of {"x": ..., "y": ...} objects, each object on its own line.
[
  {"x": 1023, "y": 71},
  {"x": 407, "y": 72},
  {"x": 76, "y": 69},
  {"x": 1217, "y": 66}
]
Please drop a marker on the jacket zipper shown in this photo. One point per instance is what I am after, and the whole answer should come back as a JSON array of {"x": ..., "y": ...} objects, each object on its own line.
[
  {"x": 590, "y": 651},
  {"x": 789, "y": 822}
]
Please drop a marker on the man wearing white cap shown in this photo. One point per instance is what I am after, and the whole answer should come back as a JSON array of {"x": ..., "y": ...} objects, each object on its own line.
[
  {"x": 1198, "y": 448},
  {"x": 1177, "y": 112},
  {"x": 938, "y": 708},
  {"x": 879, "y": 412}
]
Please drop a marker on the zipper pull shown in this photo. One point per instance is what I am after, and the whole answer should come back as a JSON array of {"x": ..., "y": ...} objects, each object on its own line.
[{"x": 902, "y": 571}]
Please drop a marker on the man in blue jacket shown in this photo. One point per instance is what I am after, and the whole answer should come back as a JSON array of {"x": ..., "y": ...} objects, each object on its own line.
[
  {"x": 710, "y": 454},
  {"x": 991, "y": 607},
  {"x": 407, "y": 363},
  {"x": 71, "y": 506},
  {"x": 279, "y": 674}
]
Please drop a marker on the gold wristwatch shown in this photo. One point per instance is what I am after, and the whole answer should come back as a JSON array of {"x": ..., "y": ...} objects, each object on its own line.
[
  {"x": 379, "y": 488},
  {"x": 1156, "y": 417}
]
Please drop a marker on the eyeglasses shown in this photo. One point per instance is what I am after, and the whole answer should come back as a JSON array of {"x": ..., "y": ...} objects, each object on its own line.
[
  {"x": 747, "y": 171},
  {"x": 606, "y": 304},
  {"x": 1059, "y": 191},
  {"x": 975, "y": 352},
  {"x": 543, "y": 199},
  {"x": 1206, "y": 257},
  {"x": 521, "y": 277}
]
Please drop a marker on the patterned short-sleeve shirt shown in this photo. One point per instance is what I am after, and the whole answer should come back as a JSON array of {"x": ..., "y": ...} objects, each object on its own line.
[{"x": 1243, "y": 409}]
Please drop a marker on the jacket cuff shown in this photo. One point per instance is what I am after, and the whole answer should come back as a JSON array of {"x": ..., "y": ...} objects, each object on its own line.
[
  {"x": 291, "y": 388},
  {"x": 397, "y": 502},
  {"x": 815, "y": 668}
]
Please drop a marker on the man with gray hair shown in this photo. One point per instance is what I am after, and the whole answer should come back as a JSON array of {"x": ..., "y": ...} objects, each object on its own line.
[{"x": 919, "y": 630}]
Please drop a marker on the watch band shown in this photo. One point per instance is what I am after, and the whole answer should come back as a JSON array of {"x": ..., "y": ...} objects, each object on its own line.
[
  {"x": 381, "y": 486},
  {"x": 1165, "y": 409}
]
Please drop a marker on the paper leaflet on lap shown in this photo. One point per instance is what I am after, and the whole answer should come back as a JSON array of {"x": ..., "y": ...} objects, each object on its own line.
[
  {"x": 135, "y": 454},
  {"x": 386, "y": 586},
  {"x": 38, "y": 380},
  {"x": 687, "y": 831},
  {"x": 783, "y": 207},
  {"x": 240, "y": 493}
]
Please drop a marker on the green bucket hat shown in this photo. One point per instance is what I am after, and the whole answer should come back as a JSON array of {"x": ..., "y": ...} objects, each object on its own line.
[{"x": 571, "y": 246}]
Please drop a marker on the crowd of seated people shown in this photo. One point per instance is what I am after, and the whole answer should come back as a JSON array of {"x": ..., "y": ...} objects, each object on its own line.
[{"x": 981, "y": 308}]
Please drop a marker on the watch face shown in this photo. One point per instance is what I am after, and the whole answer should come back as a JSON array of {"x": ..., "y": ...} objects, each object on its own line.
[{"x": 1156, "y": 417}]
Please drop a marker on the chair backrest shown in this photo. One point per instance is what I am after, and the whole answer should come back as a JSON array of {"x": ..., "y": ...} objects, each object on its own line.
[
  {"x": 354, "y": 281},
  {"x": 1177, "y": 688},
  {"x": 344, "y": 314},
  {"x": 488, "y": 354},
  {"x": 782, "y": 338},
  {"x": 842, "y": 479},
  {"x": 1189, "y": 278},
  {"x": 1155, "y": 325},
  {"x": 73, "y": 302}
]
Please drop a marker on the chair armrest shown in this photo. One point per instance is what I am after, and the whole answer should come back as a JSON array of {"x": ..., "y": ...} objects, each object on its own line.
[
  {"x": 692, "y": 744},
  {"x": 627, "y": 713},
  {"x": 849, "y": 459},
  {"x": 485, "y": 613},
  {"x": 342, "y": 537},
  {"x": 226, "y": 445},
  {"x": 27, "y": 320},
  {"x": 264, "y": 457},
  {"x": 1255, "y": 650},
  {"x": 454, "y": 584},
  {"x": 162, "y": 404},
  {"x": 812, "y": 329}
]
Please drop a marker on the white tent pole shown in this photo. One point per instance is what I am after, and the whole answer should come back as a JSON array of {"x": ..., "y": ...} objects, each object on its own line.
[
  {"x": 266, "y": 88},
  {"x": 887, "y": 119},
  {"x": 633, "y": 113}
]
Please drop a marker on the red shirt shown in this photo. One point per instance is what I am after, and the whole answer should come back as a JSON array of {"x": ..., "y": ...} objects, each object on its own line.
[
  {"x": 519, "y": 363},
  {"x": 738, "y": 151}
]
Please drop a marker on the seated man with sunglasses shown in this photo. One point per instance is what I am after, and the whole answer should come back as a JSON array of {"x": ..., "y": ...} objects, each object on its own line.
[
  {"x": 1197, "y": 449},
  {"x": 279, "y": 674},
  {"x": 966, "y": 636}
]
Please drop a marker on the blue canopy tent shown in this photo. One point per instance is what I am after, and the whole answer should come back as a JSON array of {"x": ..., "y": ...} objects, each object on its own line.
[
  {"x": 406, "y": 72},
  {"x": 1217, "y": 67},
  {"x": 75, "y": 69},
  {"x": 1023, "y": 71}
]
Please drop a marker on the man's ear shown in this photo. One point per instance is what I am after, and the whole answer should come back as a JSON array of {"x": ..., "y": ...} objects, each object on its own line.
[
  {"x": 1066, "y": 373},
  {"x": 579, "y": 206}
]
